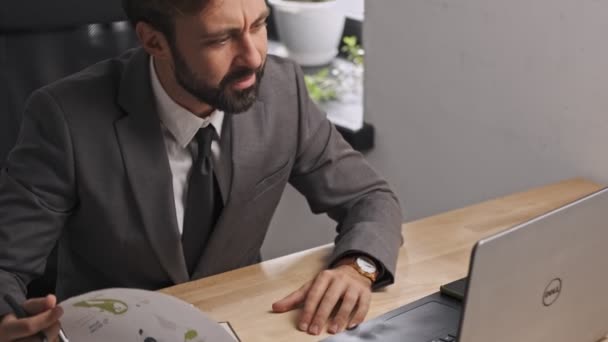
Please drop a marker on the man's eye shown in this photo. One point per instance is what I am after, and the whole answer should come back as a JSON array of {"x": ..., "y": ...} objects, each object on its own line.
[
  {"x": 219, "y": 41},
  {"x": 261, "y": 24}
]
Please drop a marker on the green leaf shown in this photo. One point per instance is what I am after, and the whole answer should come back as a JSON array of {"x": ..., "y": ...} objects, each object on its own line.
[
  {"x": 350, "y": 40},
  {"x": 321, "y": 87},
  {"x": 190, "y": 335}
]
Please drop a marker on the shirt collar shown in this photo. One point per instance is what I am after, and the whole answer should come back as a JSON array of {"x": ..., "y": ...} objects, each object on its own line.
[{"x": 182, "y": 123}]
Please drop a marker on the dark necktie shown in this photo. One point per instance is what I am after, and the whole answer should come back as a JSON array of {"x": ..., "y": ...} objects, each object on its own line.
[{"x": 204, "y": 201}]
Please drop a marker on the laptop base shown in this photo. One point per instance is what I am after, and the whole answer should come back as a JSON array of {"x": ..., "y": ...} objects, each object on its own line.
[{"x": 424, "y": 320}]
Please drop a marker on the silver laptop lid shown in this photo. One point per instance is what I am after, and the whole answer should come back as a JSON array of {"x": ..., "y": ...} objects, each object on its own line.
[{"x": 543, "y": 280}]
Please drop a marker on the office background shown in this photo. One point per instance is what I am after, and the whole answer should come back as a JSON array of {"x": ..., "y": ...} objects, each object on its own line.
[
  {"x": 475, "y": 99},
  {"x": 471, "y": 99}
]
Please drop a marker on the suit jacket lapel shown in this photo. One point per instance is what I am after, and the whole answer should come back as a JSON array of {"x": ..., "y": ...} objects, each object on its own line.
[
  {"x": 248, "y": 145},
  {"x": 140, "y": 137}
]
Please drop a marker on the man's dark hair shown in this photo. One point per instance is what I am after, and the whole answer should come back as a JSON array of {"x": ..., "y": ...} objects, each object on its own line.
[{"x": 161, "y": 14}]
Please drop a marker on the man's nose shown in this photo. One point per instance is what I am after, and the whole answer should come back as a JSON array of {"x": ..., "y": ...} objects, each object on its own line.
[{"x": 248, "y": 55}]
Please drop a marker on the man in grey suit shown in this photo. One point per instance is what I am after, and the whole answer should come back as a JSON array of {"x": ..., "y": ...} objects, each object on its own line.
[{"x": 142, "y": 170}]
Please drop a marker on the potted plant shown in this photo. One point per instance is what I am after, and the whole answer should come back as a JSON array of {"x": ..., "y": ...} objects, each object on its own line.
[
  {"x": 338, "y": 81},
  {"x": 309, "y": 29}
]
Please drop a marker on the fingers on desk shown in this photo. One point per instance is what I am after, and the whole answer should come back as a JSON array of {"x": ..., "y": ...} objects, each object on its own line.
[
  {"x": 313, "y": 298},
  {"x": 345, "y": 316},
  {"x": 293, "y": 300},
  {"x": 335, "y": 291}
]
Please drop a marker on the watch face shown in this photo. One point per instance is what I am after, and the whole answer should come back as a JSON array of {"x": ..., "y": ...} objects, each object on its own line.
[{"x": 366, "y": 265}]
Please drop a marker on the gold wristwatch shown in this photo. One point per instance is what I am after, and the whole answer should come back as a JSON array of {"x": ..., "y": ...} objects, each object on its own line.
[{"x": 366, "y": 267}]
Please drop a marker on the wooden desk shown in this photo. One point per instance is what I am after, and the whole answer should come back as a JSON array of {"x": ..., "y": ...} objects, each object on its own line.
[{"x": 436, "y": 251}]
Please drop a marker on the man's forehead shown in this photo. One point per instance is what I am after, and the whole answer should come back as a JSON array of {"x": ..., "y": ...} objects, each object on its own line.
[{"x": 224, "y": 10}]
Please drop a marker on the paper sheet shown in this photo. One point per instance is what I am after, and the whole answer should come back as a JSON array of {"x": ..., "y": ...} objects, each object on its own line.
[{"x": 137, "y": 315}]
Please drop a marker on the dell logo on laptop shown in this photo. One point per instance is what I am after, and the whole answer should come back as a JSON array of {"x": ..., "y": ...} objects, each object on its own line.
[{"x": 552, "y": 292}]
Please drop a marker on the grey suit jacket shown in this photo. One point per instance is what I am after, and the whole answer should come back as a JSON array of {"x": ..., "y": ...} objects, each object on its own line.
[{"x": 90, "y": 170}]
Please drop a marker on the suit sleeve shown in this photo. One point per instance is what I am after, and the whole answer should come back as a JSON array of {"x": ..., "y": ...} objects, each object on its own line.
[
  {"x": 37, "y": 194},
  {"x": 337, "y": 180}
]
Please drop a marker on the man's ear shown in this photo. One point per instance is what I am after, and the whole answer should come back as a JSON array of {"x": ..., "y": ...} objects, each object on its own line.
[{"x": 153, "y": 41}]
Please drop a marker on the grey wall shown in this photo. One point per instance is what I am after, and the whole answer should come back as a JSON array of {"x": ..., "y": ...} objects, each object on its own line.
[{"x": 473, "y": 99}]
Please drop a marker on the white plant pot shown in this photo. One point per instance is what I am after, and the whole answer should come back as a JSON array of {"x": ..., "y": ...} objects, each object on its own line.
[{"x": 310, "y": 31}]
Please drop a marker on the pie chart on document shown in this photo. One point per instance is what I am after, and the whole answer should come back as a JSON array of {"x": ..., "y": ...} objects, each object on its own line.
[{"x": 120, "y": 314}]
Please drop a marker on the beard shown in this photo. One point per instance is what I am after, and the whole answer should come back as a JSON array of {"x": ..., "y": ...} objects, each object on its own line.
[{"x": 222, "y": 97}]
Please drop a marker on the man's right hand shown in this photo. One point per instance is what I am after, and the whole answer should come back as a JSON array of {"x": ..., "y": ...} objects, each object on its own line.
[{"x": 45, "y": 316}]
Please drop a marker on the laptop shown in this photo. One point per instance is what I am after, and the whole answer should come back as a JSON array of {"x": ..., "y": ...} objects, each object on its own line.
[{"x": 543, "y": 280}]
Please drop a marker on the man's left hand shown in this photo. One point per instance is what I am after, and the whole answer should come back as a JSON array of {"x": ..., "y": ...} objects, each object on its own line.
[{"x": 342, "y": 290}]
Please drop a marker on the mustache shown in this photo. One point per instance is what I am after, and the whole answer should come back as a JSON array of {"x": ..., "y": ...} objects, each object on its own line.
[{"x": 240, "y": 73}]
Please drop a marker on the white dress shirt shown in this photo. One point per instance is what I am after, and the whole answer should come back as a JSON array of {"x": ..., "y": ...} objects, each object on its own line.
[{"x": 179, "y": 126}]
